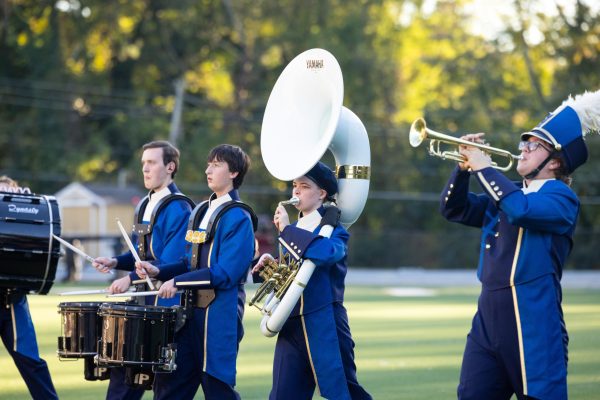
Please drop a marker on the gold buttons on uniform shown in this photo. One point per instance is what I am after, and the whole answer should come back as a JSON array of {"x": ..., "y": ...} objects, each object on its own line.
[{"x": 195, "y": 236}]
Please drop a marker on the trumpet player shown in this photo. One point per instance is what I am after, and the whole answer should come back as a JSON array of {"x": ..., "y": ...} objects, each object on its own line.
[
  {"x": 314, "y": 348},
  {"x": 518, "y": 339}
]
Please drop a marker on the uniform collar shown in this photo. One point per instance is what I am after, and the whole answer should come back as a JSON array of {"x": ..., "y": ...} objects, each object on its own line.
[
  {"x": 214, "y": 201},
  {"x": 310, "y": 221},
  {"x": 164, "y": 192},
  {"x": 534, "y": 185},
  {"x": 155, "y": 198}
]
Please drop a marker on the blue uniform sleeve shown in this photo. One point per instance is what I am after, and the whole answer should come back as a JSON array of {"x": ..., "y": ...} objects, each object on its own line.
[
  {"x": 320, "y": 250},
  {"x": 551, "y": 209},
  {"x": 125, "y": 262},
  {"x": 234, "y": 245},
  {"x": 458, "y": 204},
  {"x": 168, "y": 271},
  {"x": 170, "y": 226}
]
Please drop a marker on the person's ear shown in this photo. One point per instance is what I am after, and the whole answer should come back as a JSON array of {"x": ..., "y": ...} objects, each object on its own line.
[{"x": 323, "y": 194}]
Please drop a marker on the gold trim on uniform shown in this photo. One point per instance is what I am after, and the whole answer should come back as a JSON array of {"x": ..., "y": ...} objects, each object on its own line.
[
  {"x": 517, "y": 314},
  {"x": 353, "y": 172},
  {"x": 207, "y": 308},
  {"x": 310, "y": 360},
  {"x": 14, "y": 324}
]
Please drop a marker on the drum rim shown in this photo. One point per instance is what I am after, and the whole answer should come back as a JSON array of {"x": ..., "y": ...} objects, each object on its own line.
[
  {"x": 80, "y": 305},
  {"x": 136, "y": 308}
]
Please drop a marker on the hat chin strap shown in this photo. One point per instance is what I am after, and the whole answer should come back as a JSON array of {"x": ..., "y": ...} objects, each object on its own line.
[{"x": 536, "y": 171}]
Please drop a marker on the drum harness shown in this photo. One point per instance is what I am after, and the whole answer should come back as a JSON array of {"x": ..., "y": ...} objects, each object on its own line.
[{"x": 202, "y": 298}]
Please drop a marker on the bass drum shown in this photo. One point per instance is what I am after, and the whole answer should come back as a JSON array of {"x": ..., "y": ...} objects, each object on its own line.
[{"x": 28, "y": 252}]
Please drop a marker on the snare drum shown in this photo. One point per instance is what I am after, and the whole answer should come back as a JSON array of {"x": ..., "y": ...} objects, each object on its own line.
[
  {"x": 80, "y": 329},
  {"x": 137, "y": 335},
  {"x": 28, "y": 251}
]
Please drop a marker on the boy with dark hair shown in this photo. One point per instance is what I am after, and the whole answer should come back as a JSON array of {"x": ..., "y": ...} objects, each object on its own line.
[{"x": 218, "y": 254}]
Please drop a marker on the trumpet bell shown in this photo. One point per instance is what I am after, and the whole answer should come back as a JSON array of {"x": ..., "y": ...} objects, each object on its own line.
[{"x": 418, "y": 132}]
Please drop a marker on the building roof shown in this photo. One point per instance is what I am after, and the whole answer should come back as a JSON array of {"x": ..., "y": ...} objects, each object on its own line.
[{"x": 77, "y": 193}]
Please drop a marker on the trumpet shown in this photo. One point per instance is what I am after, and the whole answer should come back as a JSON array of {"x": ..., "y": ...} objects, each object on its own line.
[{"x": 419, "y": 132}]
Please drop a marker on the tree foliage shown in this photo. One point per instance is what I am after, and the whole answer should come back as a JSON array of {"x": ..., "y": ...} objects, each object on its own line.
[{"x": 84, "y": 83}]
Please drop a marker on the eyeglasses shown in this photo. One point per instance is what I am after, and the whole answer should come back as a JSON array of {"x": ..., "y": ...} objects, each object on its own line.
[{"x": 532, "y": 146}]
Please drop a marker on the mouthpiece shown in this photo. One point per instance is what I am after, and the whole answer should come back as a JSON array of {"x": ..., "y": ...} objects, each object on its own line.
[{"x": 293, "y": 201}]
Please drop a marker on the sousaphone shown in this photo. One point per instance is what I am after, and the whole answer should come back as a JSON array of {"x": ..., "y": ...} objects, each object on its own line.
[{"x": 304, "y": 118}]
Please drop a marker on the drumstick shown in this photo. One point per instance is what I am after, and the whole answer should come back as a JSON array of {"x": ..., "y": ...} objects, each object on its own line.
[
  {"x": 78, "y": 292},
  {"x": 138, "y": 294},
  {"x": 74, "y": 249},
  {"x": 132, "y": 249},
  {"x": 77, "y": 250},
  {"x": 83, "y": 292}
]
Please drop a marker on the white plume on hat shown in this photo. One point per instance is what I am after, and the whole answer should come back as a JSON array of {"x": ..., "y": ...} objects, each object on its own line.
[{"x": 587, "y": 107}]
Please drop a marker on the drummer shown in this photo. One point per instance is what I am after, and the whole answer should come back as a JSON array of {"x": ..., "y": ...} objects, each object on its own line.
[
  {"x": 208, "y": 343},
  {"x": 18, "y": 333},
  {"x": 168, "y": 211}
]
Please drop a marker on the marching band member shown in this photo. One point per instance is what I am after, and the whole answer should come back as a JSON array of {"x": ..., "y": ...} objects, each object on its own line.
[
  {"x": 518, "y": 339},
  {"x": 315, "y": 347},
  {"x": 18, "y": 333},
  {"x": 164, "y": 214},
  {"x": 219, "y": 254}
]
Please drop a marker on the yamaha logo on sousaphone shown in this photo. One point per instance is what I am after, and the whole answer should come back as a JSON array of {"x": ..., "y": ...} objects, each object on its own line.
[{"x": 314, "y": 64}]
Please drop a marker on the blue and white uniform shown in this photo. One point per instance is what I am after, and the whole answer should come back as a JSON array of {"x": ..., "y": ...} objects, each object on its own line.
[
  {"x": 315, "y": 347},
  {"x": 208, "y": 343},
  {"x": 518, "y": 340},
  {"x": 165, "y": 245},
  {"x": 18, "y": 336}
]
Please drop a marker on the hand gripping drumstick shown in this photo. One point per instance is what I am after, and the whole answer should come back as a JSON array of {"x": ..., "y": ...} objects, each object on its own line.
[
  {"x": 132, "y": 249},
  {"x": 77, "y": 250}
]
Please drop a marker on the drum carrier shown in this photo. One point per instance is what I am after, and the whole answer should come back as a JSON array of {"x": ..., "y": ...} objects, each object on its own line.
[{"x": 203, "y": 297}]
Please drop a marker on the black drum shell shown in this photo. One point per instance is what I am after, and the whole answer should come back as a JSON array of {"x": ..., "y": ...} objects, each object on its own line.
[
  {"x": 135, "y": 335},
  {"x": 80, "y": 328},
  {"x": 28, "y": 251}
]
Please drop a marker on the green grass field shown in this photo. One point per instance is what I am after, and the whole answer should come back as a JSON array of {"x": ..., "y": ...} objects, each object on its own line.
[{"x": 406, "y": 347}]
